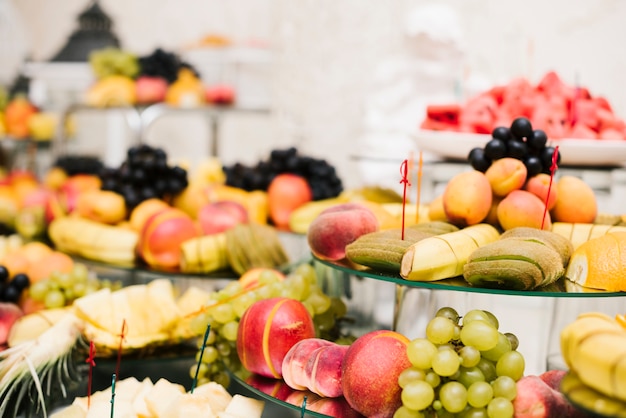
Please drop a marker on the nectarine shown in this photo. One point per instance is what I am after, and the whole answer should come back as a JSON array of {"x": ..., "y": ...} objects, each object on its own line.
[
  {"x": 267, "y": 331},
  {"x": 370, "y": 371},
  {"x": 286, "y": 193},
  {"x": 216, "y": 217}
]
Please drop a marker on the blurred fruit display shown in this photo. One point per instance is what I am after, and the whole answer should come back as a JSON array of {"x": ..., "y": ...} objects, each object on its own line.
[{"x": 559, "y": 109}]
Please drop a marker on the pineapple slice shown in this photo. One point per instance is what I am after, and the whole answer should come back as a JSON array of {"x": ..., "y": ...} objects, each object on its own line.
[{"x": 96, "y": 308}]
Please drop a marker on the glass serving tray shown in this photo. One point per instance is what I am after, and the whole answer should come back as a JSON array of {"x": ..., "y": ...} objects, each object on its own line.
[
  {"x": 279, "y": 393},
  {"x": 561, "y": 288}
]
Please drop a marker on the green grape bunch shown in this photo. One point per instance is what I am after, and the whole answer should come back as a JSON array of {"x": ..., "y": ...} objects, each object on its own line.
[
  {"x": 225, "y": 308},
  {"x": 114, "y": 61},
  {"x": 463, "y": 367}
]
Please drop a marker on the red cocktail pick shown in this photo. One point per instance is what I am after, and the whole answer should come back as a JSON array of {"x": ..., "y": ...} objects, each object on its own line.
[
  {"x": 119, "y": 349},
  {"x": 91, "y": 360},
  {"x": 553, "y": 168},
  {"x": 405, "y": 181}
]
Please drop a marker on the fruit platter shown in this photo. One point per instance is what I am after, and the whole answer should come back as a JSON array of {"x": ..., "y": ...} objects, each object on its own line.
[
  {"x": 584, "y": 126},
  {"x": 286, "y": 329}
]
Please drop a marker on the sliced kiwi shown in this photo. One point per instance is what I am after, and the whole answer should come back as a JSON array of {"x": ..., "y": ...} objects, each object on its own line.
[{"x": 561, "y": 244}]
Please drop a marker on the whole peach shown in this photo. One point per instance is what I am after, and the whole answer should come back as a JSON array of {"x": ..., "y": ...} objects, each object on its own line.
[
  {"x": 576, "y": 202},
  {"x": 370, "y": 373},
  {"x": 161, "y": 237},
  {"x": 467, "y": 198},
  {"x": 505, "y": 175},
  {"x": 286, "y": 193},
  {"x": 338, "y": 226},
  {"x": 522, "y": 208},
  {"x": 539, "y": 186},
  {"x": 216, "y": 217},
  {"x": 267, "y": 331}
]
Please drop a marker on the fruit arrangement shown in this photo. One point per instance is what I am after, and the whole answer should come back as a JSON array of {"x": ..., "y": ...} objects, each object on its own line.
[
  {"x": 125, "y": 79},
  {"x": 259, "y": 340},
  {"x": 21, "y": 119},
  {"x": 558, "y": 109}
]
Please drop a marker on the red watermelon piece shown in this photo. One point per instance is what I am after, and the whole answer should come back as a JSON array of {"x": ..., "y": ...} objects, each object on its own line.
[
  {"x": 479, "y": 115},
  {"x": 582, "y": 131},
  {"x": 611, "y": 133},
  {"x": 585, "y": 111}
]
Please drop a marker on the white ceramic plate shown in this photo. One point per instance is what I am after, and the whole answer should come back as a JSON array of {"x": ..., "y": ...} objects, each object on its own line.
[{"x": 574, "y": 152}]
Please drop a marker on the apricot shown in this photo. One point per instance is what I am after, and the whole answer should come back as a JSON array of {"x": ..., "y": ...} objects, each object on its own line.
[
  {"x": 338, "y": 226},
  {"x": 505, "y": 175},
  {"x": 539, "y": 185},
  {"x": 436, "y": 212},
  {"x": 370, "y": 371},
  {"x": 467, "y": 198},
  {"x": 522, "y": 208},
  {"x": 34, "y": 251},
  {"x": 576, "y": 202}
]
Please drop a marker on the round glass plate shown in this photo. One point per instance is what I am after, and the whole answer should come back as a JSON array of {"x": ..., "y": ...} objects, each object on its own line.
[
  {"x": 278, "y": 392},
  {"x": 589, "y": 400},
  {"x": 574, "y": 152},
  {"x": 561, "y": 288}
]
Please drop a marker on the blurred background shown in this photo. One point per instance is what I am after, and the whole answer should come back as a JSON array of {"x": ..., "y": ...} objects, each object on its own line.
[{"x": 344, "y": 80}]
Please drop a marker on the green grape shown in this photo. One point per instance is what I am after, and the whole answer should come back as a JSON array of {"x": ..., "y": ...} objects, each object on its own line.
[
  {"x": 65, "y": 280},
  {"x": 475, "y": 315},
  {"x": 203, "y": 369},
  {"x": 470, "y": 356},
  {"x": 417, "y": 395},
  {"x": 480, "y": 334},
  {"x": 224, "y": 348},
  {"x": 437, "y": 406},
  {"x": 338, "y": 306},
  {"x": 488, "y": 369},
  {"x": 212, "y": 338},
  {"x": 513, "y": 339},
  {"x": 479, "y": 394},
  {"x": 241, "y": 303},
  {"x": 308, "y": 272},
  {"x": 442, "y": 347},
  {"x": 103, "y": 284},
  {"x": 90, "y": 288},
  {"x": 209, "y": 355},
  {"x": 503, "y": 346},
  {"x": 54, "y": 299},
  {"x": 420, "y": 352},
  {"x": 299, "y": 286},
  {"x": 38, "y": 290},
  {"x": 319, "y": 301},
  {"x": 289, "y": 292},
  {"x": 223, "y": 313},
  {"x": 410, "y": 374},
  {"x": 69, "y": 294},
  {"x": 268, "y": 276},
  {"x": 500, "y": 408},
  {"x": 442, "y": 413},
  {"x": 404, "y": 412},
  {"x": 80, "y": 273},
  {"x": 453, "y": 397},
  {"x": 432, "y": 379},
  {"x": 471, "y": 412},
  {"x": 511, "y": 364},
  {"x": 199, "y": 323},
  {"x": 446, "y": 362},
  {"x": 456, "y": 336},
  {"x": 223, "y": 378},
  {"x": 325, "y": 321},
  {"x": 229, "y": 330},
  {"x": 230, "y": 290},
  {"x": 492, "y": 318},
  {"x": 470, "y": 375},
  {"x": 449, "y": 313},
  {"x": 264, "y": 292},
  {"x": 79, "y": 289},
  {"x": 440, "y": 330},
  {"x": 504, "y": 387},
  {"x": 116, "y": 285},
  {"x": 309, "y": 307}
]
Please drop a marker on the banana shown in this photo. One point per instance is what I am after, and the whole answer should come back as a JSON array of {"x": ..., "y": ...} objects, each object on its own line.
[
  {"x": 579, "y": 233},
  {"x": 594, "y": 347},
  {"x": 300, "y": 219},
  {"x": 94, "y": 240},
  {"x": 204, "y": 254},
  {"x": 443, "y": 256}
]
